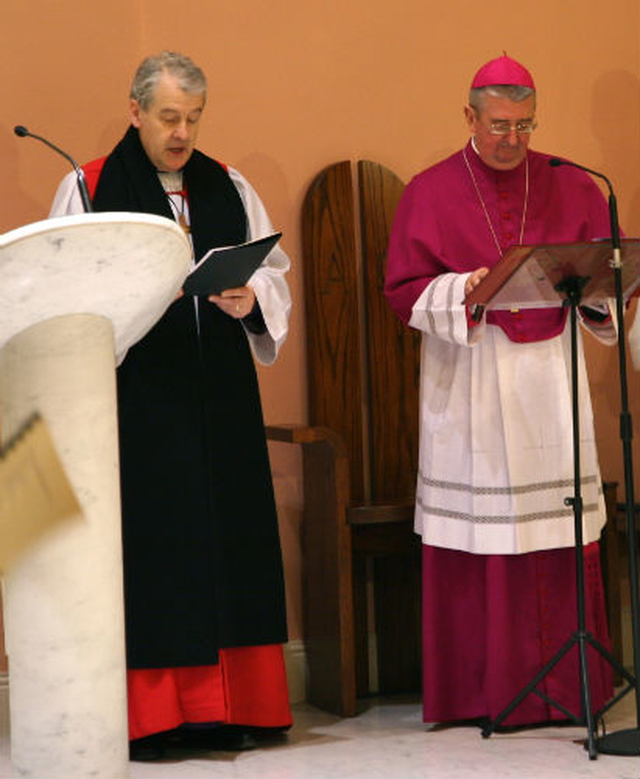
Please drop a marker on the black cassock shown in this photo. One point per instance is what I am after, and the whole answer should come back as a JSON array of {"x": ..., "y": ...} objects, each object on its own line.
[{"x": 202, "y": 560}]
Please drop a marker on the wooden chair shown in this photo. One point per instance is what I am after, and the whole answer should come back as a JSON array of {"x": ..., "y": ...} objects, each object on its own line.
[{"x": 361, "y": 559}]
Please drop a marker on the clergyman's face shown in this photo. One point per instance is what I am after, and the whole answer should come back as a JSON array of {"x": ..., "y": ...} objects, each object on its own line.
[
  {"x": 169, "y": 127},
  {"x": 502, "y": 152}
]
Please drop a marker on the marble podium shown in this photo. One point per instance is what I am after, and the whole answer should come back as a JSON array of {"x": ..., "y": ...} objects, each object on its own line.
[{"x": 75, "y": 293}]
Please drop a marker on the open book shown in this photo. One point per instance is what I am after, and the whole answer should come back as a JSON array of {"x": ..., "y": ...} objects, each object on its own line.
[{"x": 228, "y": 266}]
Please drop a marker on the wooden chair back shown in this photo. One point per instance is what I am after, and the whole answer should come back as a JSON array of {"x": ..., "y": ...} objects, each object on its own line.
[{"x": 363, "y": 363}]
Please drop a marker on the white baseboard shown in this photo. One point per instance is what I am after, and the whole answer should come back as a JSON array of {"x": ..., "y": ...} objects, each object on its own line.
[{"x": 295, "y": 658}]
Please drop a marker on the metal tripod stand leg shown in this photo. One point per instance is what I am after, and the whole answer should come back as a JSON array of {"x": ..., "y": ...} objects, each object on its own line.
[{"x": 572, "y": 288}]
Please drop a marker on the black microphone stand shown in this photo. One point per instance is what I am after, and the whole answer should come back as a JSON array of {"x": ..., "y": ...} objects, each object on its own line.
[
  {"x": 625, "y": 742},
  {"x": 22, "y": 132}
]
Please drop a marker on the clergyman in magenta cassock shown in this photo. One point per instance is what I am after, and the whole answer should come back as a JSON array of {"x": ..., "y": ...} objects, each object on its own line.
[{"x": 496, "y": 445}]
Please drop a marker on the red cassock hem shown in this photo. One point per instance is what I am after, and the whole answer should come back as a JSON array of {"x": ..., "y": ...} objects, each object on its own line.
[{"x": 247, "y": 687}]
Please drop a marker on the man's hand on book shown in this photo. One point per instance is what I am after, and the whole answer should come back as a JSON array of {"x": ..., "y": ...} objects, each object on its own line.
[
  {"x": 237, "y": 302},
  {"x": 474, "y": 279}
]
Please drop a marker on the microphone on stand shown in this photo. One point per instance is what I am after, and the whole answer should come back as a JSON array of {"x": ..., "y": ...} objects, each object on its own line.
[
  {"x": 555, "y": 162},
  {"x": 623, "y": 742},
  {"x": 22, "y": 132}
]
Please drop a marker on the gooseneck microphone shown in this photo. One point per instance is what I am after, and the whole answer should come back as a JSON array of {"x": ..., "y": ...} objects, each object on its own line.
[
  {"x": 22, "y": 132},
  {"x": 555, "y": 162},
  {"x": 623, "y": 742}
]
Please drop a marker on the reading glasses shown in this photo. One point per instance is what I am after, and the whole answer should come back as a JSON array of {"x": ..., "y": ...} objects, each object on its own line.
[{"x": 503, "y": 127}]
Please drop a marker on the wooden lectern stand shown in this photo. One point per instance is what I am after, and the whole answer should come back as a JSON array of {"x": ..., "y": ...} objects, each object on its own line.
[{"x": 528, "y": 276}]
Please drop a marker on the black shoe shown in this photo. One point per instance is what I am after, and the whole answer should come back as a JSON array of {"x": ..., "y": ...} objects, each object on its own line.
[
  {"x": 226, "y": 738},
  {"x": 147, "y": 748},
  {"x": 235, "y": 739}
]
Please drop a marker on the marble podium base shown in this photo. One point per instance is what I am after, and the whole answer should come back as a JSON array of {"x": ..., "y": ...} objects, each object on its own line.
[
  {"x": 63, "y": 597},
  {"x": 76, "y": 292}
]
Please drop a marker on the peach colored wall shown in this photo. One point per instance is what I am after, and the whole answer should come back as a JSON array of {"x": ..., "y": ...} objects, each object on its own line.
[{"x": 295, "y": 85}]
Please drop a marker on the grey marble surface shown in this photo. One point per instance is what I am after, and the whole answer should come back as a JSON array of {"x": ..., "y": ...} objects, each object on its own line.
[{"x": 126, "y": 267}]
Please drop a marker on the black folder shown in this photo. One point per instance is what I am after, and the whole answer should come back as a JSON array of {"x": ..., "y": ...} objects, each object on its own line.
[{"x": 229, "y": 266}]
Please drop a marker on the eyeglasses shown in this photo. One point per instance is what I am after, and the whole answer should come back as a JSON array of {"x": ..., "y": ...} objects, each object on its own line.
[{"x": 503, "y": 127}]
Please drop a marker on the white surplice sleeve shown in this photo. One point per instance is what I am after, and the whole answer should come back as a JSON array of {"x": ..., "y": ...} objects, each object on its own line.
[
  {"x": 67, "y": 199},
  {"x": 268, "y": 282},
  {"x": 634, "y": 341},
  {"x": 440, "y": 311},
  {"x": 606, "y": 332}
]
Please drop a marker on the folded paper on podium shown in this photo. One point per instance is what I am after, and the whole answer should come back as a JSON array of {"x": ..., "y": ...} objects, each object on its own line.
[
  {"x": 35, "y": 493},
  {"x": 527, "y": 276}
]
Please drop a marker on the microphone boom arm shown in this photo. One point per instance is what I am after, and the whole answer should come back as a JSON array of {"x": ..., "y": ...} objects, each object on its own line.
[{"x": 22, "y": 132}]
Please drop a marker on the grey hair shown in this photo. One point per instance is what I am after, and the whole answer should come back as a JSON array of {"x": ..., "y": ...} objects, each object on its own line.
[
  {"x": 512, "y": 92},
  {"x": 190, "y": 77}
]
